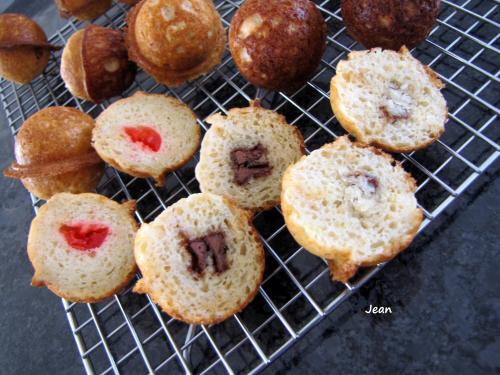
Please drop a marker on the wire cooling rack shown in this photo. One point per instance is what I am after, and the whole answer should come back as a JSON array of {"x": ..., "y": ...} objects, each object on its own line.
[{"x": 128, "y": 334}]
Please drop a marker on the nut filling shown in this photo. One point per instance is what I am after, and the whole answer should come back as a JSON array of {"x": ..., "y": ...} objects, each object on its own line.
[
  {"x": 367, "y": 183},
  {"x": 248, "y": 163},
  {"x": 397, "y": 103},
  {"x": 214, "y": 245}
]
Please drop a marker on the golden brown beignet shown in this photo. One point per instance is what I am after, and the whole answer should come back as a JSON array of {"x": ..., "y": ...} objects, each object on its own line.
[
  {"x": 175, "y": 40},
  {"x": 24, "y": 50},
  {"x": 54, "y": 153},
  {"x": 83, "y": 10},
  {"x": 390, "y": 24},
  {"x": 95, "y": 64},
  {"x": 277, "y": 44}
]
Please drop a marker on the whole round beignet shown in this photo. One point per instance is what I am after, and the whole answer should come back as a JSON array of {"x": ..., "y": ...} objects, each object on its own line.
[
  {"x": 244, "y": 155},
  {"x": 389, "y": 24},
  {"x": 388, "y": 99},
  {"x": 277, "y": 44},
  {"x": 175, "y": 40},
  {"x": 54, "y": 153},
  {"x": 201, "y": 259},
  {"x": 82, "y": 10},
  {"x": 24, "y": 50},
  {"x": 147, "y": 135},
  {"x": 95, "y": 65},
  {"x": 81, "y": 246},
  {"x": 351, "y": 204}
]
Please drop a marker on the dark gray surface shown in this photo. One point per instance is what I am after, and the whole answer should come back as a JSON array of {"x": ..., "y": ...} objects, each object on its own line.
[{"x": 443, "y": 292}]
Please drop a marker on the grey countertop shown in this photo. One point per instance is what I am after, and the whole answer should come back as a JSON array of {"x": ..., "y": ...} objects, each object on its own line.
[{"x": 443, "y": 291}]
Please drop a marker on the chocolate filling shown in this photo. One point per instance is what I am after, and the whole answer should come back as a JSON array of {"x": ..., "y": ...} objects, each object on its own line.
[
  {"x": 249, "y": 162},
  {"x": 200, "y": 248}
]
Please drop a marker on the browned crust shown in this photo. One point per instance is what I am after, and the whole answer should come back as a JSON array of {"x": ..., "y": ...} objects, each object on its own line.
[
  {"x": 169, "y": 77},
  {"x": 72, "y": 71},
  {"x": 280, "y": 59},
  {"x": 349, "y": 124},
  {"x": 20, "y": 30},
  {"x": 341, "y": 264},
  {"x": 101, "y": 46},
  {"x": 82, "y": 9},
  {"x": 51, "y": 135},
  {"x": 24, "y": 50},
  {"x": 20, "y": 43},
  {"x": 141, "y": 286},
  {"x": 159, "y": 179},
  {"x": 36, "y": 143},
  {"x": 53, "y": 168},
  {"x": 36, "y": 281},
  {"x": 389, "y": 23}
]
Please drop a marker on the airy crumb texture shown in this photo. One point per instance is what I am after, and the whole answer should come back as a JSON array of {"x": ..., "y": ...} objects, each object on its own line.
[
  {"x": 244, "y": 128},
  {"x": 164, "y": 260},
  {"x": 82, "y": 276},
  {"x": 388, "y": 99},
  {"x": 357, "y": 208},
  {"x": 169, "y": 117}
]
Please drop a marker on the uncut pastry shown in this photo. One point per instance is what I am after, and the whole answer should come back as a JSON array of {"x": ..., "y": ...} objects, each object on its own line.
[
  {"x": 388, "y": 99},
  {"x": 351, "y": 204},
  {"x": 95, "y": 65},
  {"x": 175, "y": 40},
  {"x": 82, "y": 10},
  {"x": 201, "y": 259},
  {"x": 24, "y": 50},
  {"x": 244, "y": 155},
  {"x": 389, "y": 24},
  {"x": 147, "y": 135},
  {"x": 81, "y": 246},
  {"x": 54, "y": 153},
  {"x": 278, "y": 44}
]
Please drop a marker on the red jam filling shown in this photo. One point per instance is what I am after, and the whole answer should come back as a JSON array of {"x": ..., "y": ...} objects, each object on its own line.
[
  {"x": 84, "y": 236},
  {"x": 149, "y": 138}
]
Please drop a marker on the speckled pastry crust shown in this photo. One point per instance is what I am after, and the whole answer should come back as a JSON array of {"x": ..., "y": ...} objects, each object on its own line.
[
  {"x": 52, "y": 135},
  {"x": 83, "y": 10},
  {"x": 390, "y": 24},
  {"x": 95, "y": 64},
  {"x": 277, "y": 44},
  {"x": 24, "y": 50},
  {"x": 175, "y": 40}
]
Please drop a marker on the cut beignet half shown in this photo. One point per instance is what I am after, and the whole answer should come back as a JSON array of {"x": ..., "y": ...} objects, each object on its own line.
[
  {"x": 201, "y": 259},
  {"x": 147, "y": 135},
  {"x": 81, "y": 246},
  {"x": 351, "y": 204}
]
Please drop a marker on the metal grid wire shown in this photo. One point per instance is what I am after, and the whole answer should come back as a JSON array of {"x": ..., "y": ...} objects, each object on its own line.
[{"x": 129, "y": 334}]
